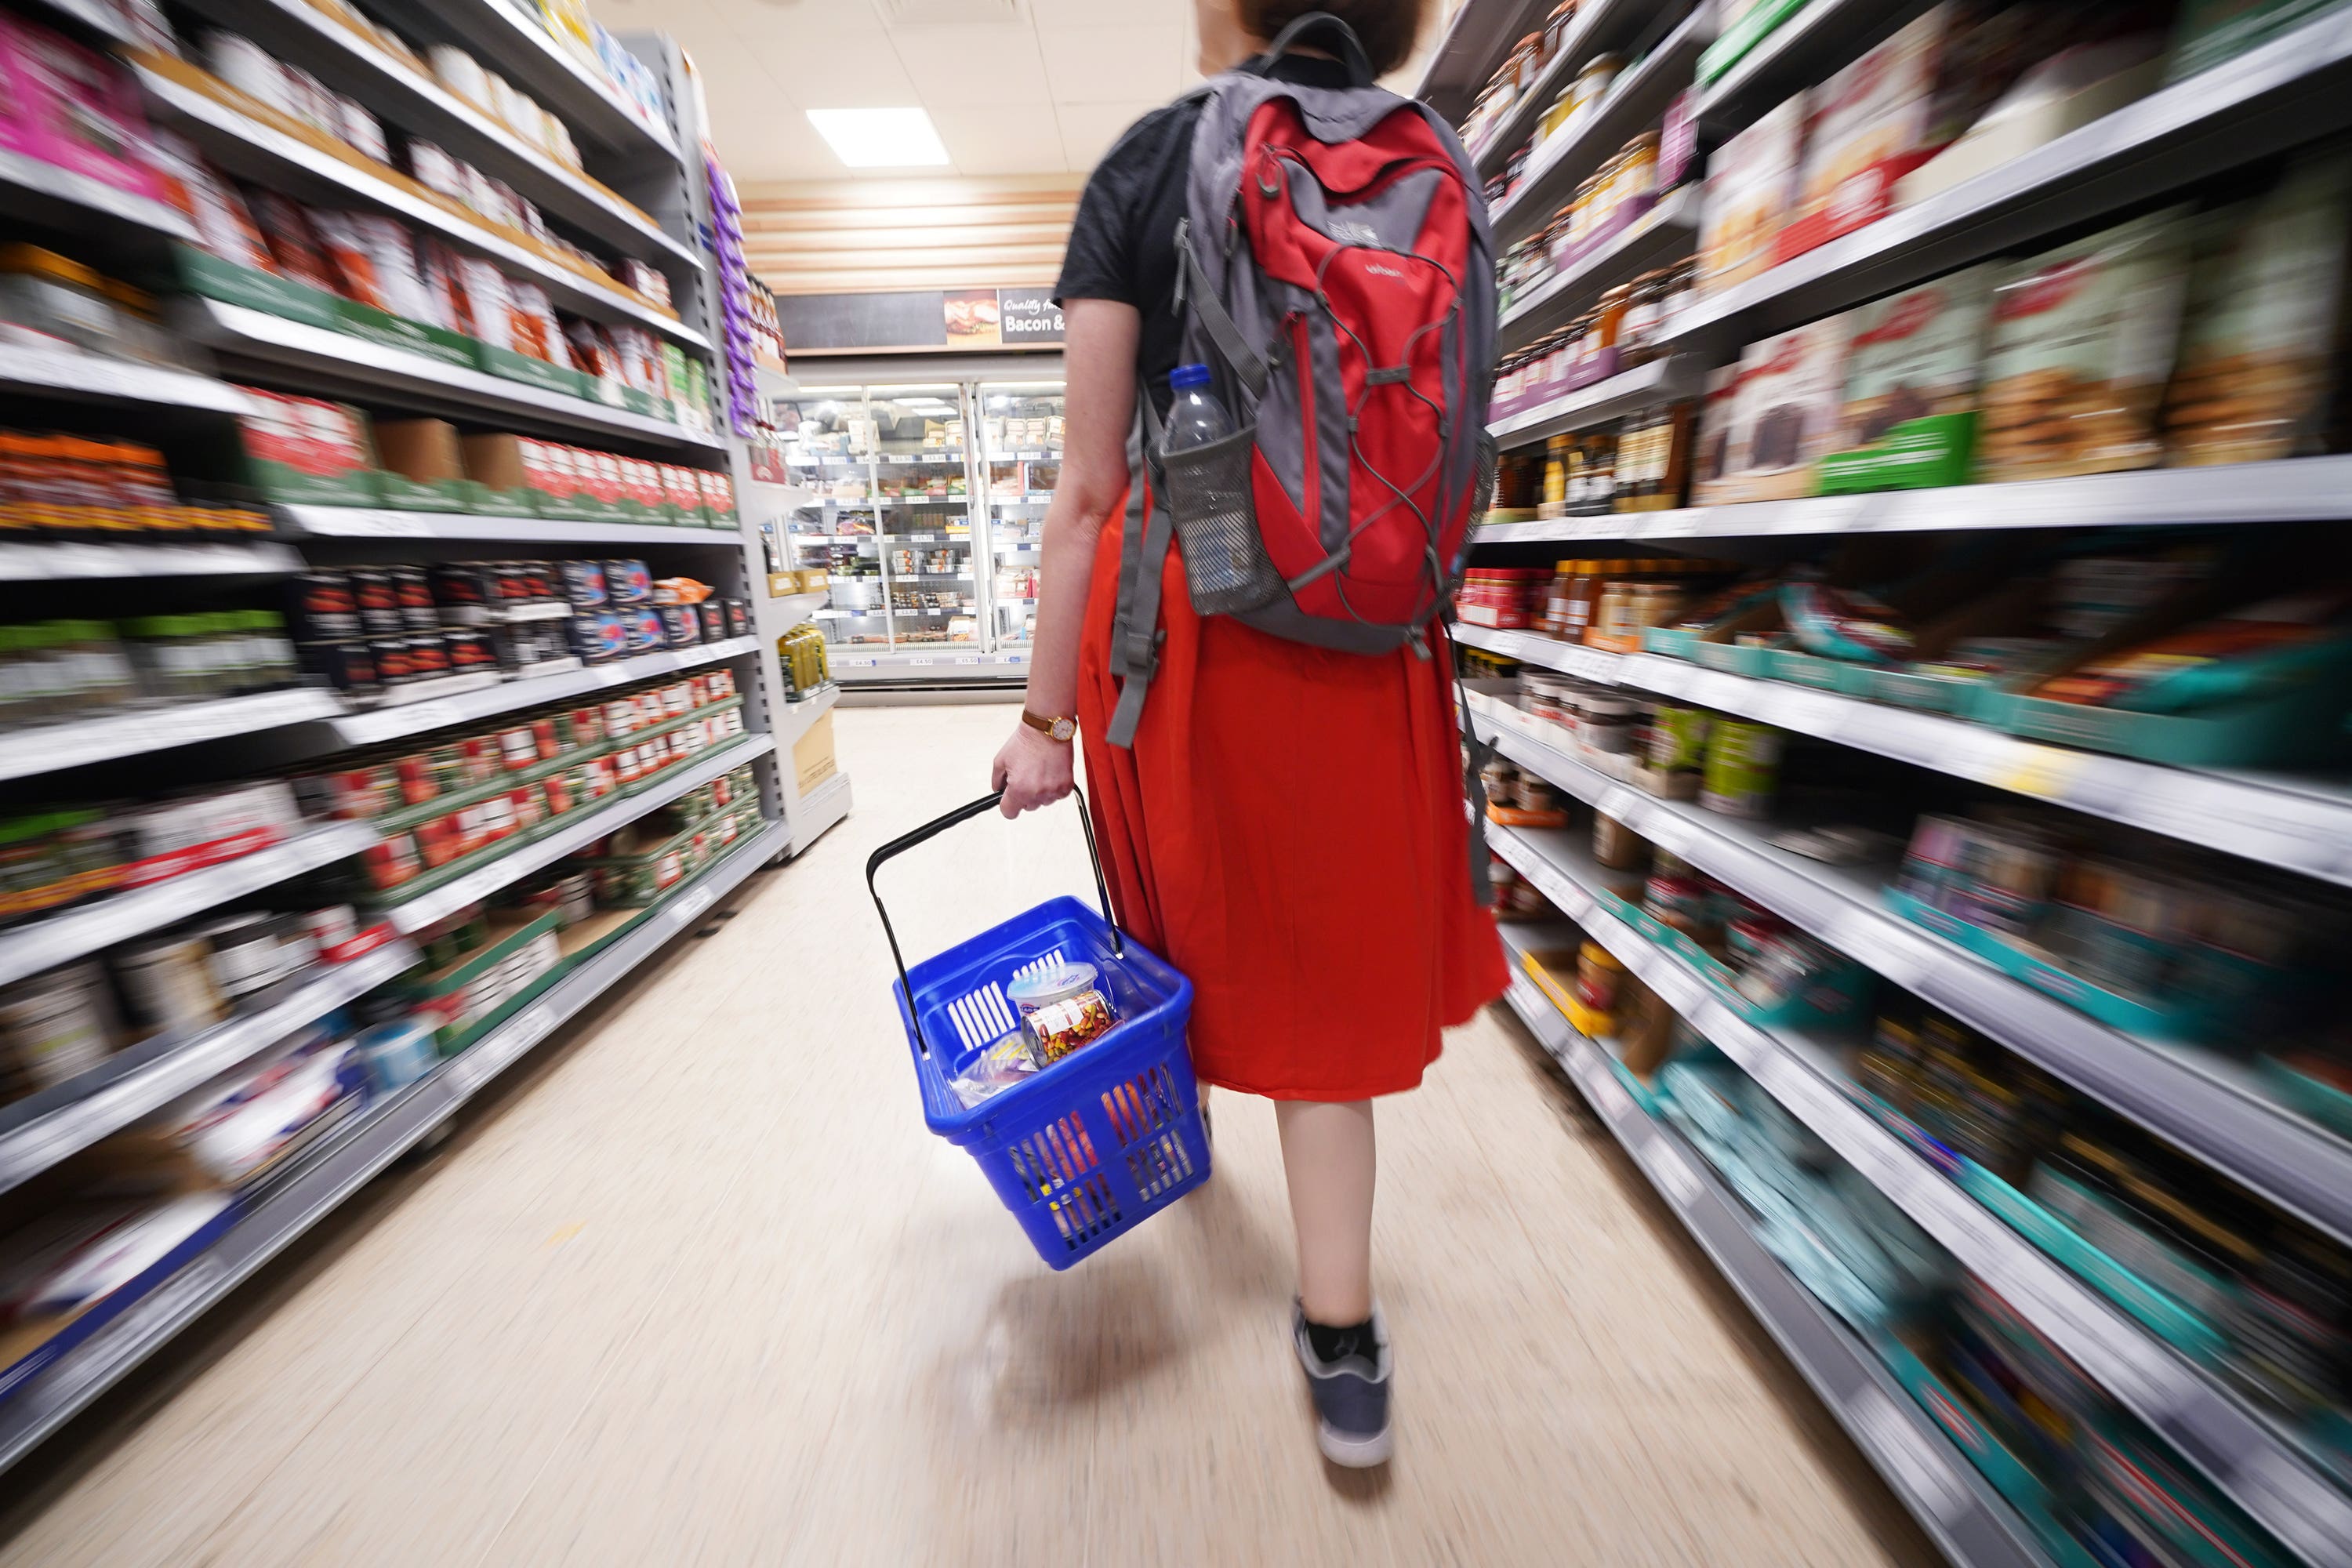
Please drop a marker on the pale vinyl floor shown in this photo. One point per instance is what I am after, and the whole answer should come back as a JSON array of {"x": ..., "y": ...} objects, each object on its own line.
[{"x": 697, "y": 1286}]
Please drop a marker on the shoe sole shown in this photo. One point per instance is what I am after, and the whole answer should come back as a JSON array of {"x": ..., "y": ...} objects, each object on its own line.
[{"x": 1353, "y": 1453}]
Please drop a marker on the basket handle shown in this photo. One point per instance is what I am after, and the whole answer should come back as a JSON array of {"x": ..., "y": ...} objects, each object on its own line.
[{"x": 932, "y": 829}]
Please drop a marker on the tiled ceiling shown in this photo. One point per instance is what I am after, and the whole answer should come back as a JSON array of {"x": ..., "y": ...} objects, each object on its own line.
[{"x": 1015, "y": 86}]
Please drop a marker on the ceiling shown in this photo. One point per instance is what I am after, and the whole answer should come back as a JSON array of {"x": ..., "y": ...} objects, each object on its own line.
[{"x": 1015, "y": 86}]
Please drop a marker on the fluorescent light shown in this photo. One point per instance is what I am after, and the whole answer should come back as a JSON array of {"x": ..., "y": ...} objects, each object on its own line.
[{"x": 880, "y": 138}]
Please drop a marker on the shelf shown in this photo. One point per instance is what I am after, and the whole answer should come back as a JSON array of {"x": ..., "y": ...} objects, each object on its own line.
[
  {"x": 93, "y": 18},
  {"x": 1533, "y": 647},
  {"x": 65, "y": 562},
  {"x": 33, "y": 946},
  {"x": 386, "y": 522},
  {"x": 2289, "y": 92},
  {"x": 2294, "y": 823},
  {"x": 249, "y": 148},
  {"x": 341, "y": 364},
  {"x": 52, "y": 748},
  {"x": 1819, "y": 39},
  {"x": 1668, "y": 231},
  {"x": 38, "y": 1131},
  {"x": 1933, "y": 1479},
  {"x": 1639, "y": 99},
  {"x": 303, "y": 35},
  {"x": 2210, "y": 1108},
  {"x": 793, "y": 719},
  {"x": 820, "y": 809},
  {"x": 2264, "y": 1470},
  {"x": 790, "y": 609},
  {"x": 2297, "y": 490},
  {"x": 70, "y": 202},
  {"x": 508, "y": 696},
  {"x": 1597, "y": 29},
  {"x": 78, "y": 377},
  {"x": 325, "y": 1179},
  {"x": 414, "y": 914},
  {"x": 2299, "y": 825},
  {"x": 853, "y": 665},
  {"x": 498, "y": 34},
  {"x": 1660, "y": 380},
  {"x": 1477, "y": 37}
]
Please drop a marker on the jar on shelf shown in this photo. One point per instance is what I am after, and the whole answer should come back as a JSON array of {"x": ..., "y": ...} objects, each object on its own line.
[
  {"x": 1597, "y": 977},
  {"x": 1554, "y": 472},
  {"x": 1609, "y": 320},
  {"x": 1556, "y": 27},
  {"x": 1596, "y": 77},
  {"x": 1637, "y": 169}
]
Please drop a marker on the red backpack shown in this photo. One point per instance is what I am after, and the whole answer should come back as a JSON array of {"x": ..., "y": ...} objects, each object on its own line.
[{"x": 1336, "y": 276}]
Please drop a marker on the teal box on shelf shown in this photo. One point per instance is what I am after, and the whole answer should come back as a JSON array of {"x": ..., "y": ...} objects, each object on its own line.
[
  {"x": 2316, "y": 1098},
  {"x": 1671, "y": 642},
  {"x": 1958, "y": 695},
  {"x": 2180, "y": 1021},
  {"x": 1731, "y": 657},
  {"x": 1799, "y": 668},
  {"x": 530, "y": 371},
  {"x": 2161, "y": 1314},
  {"x": 1838, "y": 998},
  {"x": 2009, "y": 1476},
  {"x": 200, "y": 272},
  {"x": 2302, "y": 721},
  {"x": 392, "y": 332}
]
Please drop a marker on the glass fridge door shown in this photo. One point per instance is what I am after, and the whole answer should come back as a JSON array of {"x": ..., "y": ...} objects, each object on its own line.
[
  {"x": 829, "y": 445},
  {"x": 1021, "y": 460},
  {"x": 921, "y": 501}
]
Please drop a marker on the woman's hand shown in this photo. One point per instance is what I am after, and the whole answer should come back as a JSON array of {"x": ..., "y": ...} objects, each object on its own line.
[{"x": 1033, "y": 770}]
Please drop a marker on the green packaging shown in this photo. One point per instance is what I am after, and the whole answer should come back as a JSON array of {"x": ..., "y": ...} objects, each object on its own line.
[
  {"x": 1743, "y": 767},
  {"x": 1908, "y": 418}
]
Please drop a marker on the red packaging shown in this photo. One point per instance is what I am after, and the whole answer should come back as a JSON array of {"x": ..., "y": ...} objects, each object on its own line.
[
  {"x": 440, "y": 841},
  {"x": 319, "y": 439},
  {"x": 682, "y": 488},
  {"x": 286, "y": 229},
  {"x": 600, "y": 475},
  {"x": 392, "y": 861},
  {"x": 718, "y": 492}
]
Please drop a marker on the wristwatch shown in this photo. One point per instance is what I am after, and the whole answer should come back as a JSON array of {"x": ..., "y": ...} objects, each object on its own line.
[{"x": 1059, "y": 729}]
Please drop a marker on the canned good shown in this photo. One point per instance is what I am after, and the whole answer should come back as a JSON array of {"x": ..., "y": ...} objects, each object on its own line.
[
  {"x": 394, "y": 661},
  {"x": 1678, "y": 738},
  {"x": 714, "y": 619},
  {"x": 470, "y": 652},
  {"x": 1743, "y": 767},
  {"x": 392, "y": 861},
  {"x": 428, "y": 655},
  {"x": 378, "y": 602},
  {"x": 322, "y": 609},
  {"x": 414, "y": 594},
  {"x": 169, "y": 985},
  {"x": 55, "y": 1026}
]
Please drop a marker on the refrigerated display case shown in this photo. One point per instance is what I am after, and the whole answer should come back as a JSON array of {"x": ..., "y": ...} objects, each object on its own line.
[
  {"x": 1020, "y": 463},
  {"x": 924, "y": 584}
]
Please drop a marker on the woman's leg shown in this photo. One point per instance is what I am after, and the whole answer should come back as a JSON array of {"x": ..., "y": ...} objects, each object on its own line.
[{"x": 1327, "y": 1154}]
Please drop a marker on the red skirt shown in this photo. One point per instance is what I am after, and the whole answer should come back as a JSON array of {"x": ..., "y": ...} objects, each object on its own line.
[{"x": 1288, "y": 831}]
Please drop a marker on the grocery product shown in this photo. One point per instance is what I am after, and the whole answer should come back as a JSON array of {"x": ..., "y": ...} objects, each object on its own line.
[
  {"x": 2083, "y": 340},
  {"x": 1061, "y": 1008},
  {"x": 1784, "y": 415},
  {"x": 1742, "y": 769},
  {"x": 1909, "y": 411},
  {"x": 2265, "y": 316},
  {"x": 1751, "y": 189}
]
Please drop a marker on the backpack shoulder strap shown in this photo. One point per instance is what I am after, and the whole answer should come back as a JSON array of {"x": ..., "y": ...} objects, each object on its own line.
[{"x": 1150, "y": 527}]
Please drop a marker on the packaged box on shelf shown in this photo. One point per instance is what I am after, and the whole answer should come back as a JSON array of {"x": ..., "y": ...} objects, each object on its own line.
[
  {"x": 306, "y": 452},
  {"x": 200, "y": 272},
  {"x": 1909, "y": 415},
  {"x": 508, "y": 479},
  {"x": 529, "y": 370},
  {"x": 681, "y": 494},
  {"x": 1784, "y": 414},
  {"x": 813, "y": 755},
  {"x": 468, "y": 991},
  {"x": 400, "y": 332},
  {"x": 423, "y": 465},
  {"x": 717, "y": 498},
  {"x": 1741, "y": 26}
]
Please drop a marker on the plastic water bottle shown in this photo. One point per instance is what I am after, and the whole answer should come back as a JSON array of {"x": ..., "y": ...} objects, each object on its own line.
[{"x": 1196, "y": 418}]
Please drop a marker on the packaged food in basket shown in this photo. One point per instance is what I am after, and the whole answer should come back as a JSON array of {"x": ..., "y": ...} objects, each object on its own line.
[
  {"x": 999, "y": 1068},
  {"x": 2083, "y": 342},
  {"x": 2265, "y": 321},
  {"x": 1909, "y": 415},
  {"x": 1061, "y": 1008}
]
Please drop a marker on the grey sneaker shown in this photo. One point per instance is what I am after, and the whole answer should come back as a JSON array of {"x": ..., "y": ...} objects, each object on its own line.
[{"x": 1351, "y": 1396}]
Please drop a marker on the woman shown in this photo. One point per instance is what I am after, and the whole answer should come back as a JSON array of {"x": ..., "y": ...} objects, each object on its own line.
[{"x": 1287, "y": 828}]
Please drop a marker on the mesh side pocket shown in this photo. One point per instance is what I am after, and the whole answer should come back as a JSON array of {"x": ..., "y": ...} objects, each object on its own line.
[{"x": 1217, "y": 526}]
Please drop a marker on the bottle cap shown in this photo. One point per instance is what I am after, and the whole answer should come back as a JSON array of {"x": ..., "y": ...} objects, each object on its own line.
[{"x": 1185, "y": 375}]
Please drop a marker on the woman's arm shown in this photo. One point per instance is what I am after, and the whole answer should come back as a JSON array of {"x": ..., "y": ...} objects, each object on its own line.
[{"x": 1099, "y": 339}]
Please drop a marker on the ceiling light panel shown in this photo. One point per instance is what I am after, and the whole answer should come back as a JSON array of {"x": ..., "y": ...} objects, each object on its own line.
[{"x": 880, "y": 138}]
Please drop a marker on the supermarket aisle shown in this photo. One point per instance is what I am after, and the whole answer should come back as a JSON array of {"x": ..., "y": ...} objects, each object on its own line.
[{"x": 700, "y": 1289}]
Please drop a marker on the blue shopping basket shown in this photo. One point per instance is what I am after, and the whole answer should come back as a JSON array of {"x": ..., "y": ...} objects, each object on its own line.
[{"x": 1103, "y": 1138}]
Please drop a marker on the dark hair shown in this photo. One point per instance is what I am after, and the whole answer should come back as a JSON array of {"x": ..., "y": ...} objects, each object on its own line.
[{"x": 1388, "y": 28}]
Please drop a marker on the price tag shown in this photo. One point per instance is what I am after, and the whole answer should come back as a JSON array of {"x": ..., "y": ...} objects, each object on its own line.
[
  {"x": 2044, "y": 771},
  {"x": 967, "y": 658},
  {"x": 922, "y": 661},
  {"x": 1608, "y": 1094},
  {"x": 429, "y": 715},
  {"x": 689, "y": 909}
]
